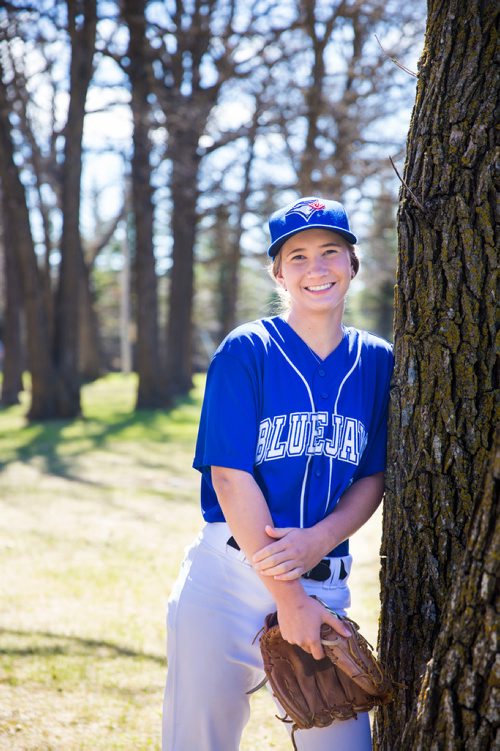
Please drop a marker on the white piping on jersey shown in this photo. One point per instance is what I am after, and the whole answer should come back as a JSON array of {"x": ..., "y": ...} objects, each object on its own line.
[
  {"x": 329, "y": 485},
  {"x": 347, "y": 375},
  {"x": 313, "y": 406}
]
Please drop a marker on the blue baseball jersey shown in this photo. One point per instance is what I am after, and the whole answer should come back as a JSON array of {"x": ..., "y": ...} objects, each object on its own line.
[{"x": 305, "y": 428}]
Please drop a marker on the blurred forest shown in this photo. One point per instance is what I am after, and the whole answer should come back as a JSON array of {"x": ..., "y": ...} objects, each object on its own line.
[{"x": 143, "y": 146}]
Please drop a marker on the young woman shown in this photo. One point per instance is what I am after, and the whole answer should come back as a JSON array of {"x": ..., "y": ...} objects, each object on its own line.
[{"x": 291, "y": 450}]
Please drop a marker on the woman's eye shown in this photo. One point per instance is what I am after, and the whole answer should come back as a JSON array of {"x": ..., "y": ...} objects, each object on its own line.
[{"x": 329, "y": 251}]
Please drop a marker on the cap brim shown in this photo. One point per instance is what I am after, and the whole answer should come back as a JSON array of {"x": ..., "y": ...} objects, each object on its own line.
[{"x": 276, "y": 245}]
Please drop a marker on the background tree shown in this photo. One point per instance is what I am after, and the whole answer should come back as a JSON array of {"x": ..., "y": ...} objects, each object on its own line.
[
  {"x": 324, "y": 75},
  {"x": 82, "y": 22},
  {"x": 371, "y": 305},
  {"x": 224, "y": 224},
  {"x": 225, "y": 98},
  {"x": 439, "y": 573},
  {"x": 152, "y": 391},
  {"x": 341, "y": 88},
  {"x": 202, "y": 47},
  {"x": 19, "y": 242},
  {"x": 92, "y": 359},
  {"x": 12, "y": 352},
  {"x": 61, "y": 318}
]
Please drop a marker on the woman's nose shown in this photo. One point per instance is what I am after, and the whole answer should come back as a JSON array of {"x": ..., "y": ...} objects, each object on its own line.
[{"x": 318, "y": 265}]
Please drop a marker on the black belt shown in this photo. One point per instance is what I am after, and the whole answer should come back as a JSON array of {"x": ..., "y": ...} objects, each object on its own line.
[{"x": 319, "y": 573}]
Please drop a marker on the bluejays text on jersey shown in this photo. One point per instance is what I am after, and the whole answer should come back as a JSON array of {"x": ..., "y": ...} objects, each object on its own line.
[{"x": 311, "y": 434}]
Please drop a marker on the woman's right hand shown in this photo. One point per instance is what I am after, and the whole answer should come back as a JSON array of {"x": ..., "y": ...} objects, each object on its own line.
[
  {"x": 300, "y": 620},
  {"x": 293, "y": 552}
]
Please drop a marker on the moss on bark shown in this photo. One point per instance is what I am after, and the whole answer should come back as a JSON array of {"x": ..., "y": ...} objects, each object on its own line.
[{"x": 442, "y": 405}]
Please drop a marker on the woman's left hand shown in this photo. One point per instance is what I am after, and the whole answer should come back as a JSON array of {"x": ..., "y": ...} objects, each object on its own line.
[{"x": 294, "y": 552}]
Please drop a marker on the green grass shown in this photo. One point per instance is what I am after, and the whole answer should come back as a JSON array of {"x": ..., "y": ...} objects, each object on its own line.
[{"x": 95, "y": 514}]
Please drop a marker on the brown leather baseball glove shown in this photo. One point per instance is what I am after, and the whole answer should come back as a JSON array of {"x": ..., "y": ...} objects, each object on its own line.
[{"x": 314, "y": 693}]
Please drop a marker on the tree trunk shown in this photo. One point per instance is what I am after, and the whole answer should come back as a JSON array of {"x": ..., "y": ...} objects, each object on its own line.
[
  {"x": 125, "y": 316},
  {"x": 458, "y": 703},
  {"x": 228, "y": 251},
  {"x": 442, "y": 405},
  {"x": 185, "y": 163},
  {"x": 12, "y": 381},
  {"x": 151, "y": 390},
  {"x": 82, "y": 34},
  {"x": 91, "y": 359},
  {"x": 90, "y": 364},
  {"x": 309, "y": 163},
  {"x": 232, "y": 266},
  {"x": 43, "y": 376}
]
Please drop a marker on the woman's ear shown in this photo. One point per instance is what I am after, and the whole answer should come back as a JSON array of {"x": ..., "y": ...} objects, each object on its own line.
[{"x": 280, "y": 279}]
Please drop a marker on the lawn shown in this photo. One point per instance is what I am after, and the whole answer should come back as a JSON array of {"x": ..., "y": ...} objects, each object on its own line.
[{"x": 94, "y": 518}]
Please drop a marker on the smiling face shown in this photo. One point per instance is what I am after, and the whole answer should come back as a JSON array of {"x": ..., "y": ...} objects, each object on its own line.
[{"x": 315, "y": 269}]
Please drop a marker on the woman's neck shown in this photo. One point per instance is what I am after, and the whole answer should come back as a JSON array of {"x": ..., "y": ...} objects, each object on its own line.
[{"x": 322, "y": 335}]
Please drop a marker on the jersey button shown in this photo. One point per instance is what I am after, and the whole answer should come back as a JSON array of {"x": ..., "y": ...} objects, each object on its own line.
[
  {"x": 321, "y": 372},
  {"x": 317, "y": 473},
  {"x": 324, "y": 395}
]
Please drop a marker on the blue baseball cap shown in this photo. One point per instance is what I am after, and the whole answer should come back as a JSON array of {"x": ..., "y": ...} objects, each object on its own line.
[{"x": 308, "y": 213}]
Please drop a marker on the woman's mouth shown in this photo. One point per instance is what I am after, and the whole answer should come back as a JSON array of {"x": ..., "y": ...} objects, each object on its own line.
[{"x": 320, "y": 287}]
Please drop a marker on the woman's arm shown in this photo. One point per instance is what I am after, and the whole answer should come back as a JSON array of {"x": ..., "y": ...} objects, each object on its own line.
[
  {"x": 296, "y": 551},
  {"x": 247, "y": 514}
]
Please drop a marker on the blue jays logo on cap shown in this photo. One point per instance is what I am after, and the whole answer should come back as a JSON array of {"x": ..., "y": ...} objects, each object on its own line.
[
  {"x": 307, "y": 213},
  {"x": 306, "y": 208}
]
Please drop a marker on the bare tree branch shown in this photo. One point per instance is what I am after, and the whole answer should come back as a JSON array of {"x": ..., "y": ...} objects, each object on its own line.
[{"x": 396, "y": 61}]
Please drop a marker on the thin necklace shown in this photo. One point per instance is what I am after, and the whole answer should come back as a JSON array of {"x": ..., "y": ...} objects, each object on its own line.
[{"x": 313, "y": 353}]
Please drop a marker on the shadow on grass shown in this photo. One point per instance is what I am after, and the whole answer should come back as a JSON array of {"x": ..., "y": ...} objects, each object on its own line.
[
  {"x": 44, "y": 439},
  {"x": 72, "y": 646}
]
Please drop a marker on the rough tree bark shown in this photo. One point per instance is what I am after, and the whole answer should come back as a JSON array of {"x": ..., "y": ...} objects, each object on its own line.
[
  {"x": 151, "y": 390},
  {"x": 82, "y": 21},
  {"x": 442, "y": 401},
  {"x": 458, "y": 705}
]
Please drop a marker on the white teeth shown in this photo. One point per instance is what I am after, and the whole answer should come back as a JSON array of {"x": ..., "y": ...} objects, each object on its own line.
[{"x": 320, "y": 287}]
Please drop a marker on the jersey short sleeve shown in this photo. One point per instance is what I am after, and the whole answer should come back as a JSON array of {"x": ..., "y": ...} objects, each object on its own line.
[
  {"x": 227, "y": 434},
  {"x": 375, "y": 452}
]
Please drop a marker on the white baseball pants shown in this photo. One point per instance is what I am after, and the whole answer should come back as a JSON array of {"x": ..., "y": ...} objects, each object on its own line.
[{"x": 217, "y": 606}]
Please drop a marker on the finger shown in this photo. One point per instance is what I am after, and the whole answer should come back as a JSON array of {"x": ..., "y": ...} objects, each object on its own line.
[
  {"x": 269, "y": 551},
  {"x": 265, "y": 553},
  {"x": 336, "y": 624},
  {"x": 294, "y": 573},
  {"x": 276, "y": 569},
  {"x": 263, "y": 559},
  {"x": 317, "y": 650},
  {"x": 277, "y": 532}
]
